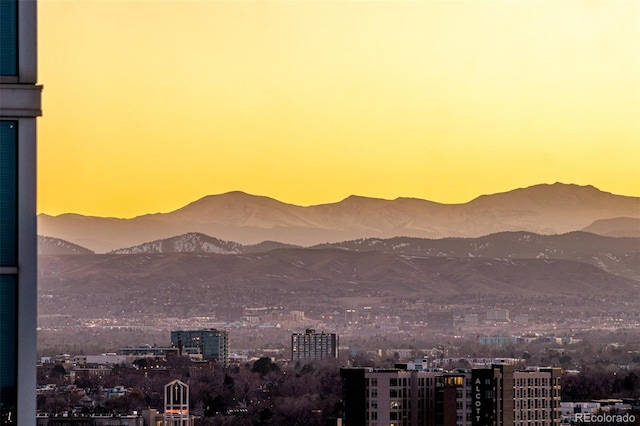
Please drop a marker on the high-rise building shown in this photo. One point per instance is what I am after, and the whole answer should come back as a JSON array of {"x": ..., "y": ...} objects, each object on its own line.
[
  {"x": 213, "y": 344},
  {"x": 309, "y": 346},
  {"x": 19, "y": 107}
]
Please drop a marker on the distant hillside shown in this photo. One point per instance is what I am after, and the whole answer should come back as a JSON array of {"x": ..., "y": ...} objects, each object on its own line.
[
  {"x": 53, "y": 246},
  {"x": 187, "y": 283},
  {"x": 617, "y": 255},
  {"x": 249, "y": 219},
  {"x": 192, "y": 242},
  {"x": 195, "y": 242},
  {"x": 616, "y": 227}
]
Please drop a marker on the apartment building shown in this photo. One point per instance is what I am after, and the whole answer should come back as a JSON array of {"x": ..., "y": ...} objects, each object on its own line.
[
  {"x": 493, "y": 396},
  {"x": 309, "y": 346},
  {"x": 536, "y": 397},
  {"x": 212, "y": 343}
]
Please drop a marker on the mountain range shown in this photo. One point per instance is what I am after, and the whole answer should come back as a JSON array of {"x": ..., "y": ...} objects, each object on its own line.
[
  {"x": 250, "y": 220},
  {"x": 617, "y": 255}
]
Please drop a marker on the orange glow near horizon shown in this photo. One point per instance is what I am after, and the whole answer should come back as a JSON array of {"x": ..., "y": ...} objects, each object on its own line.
[{"x": 149, "y": 105}]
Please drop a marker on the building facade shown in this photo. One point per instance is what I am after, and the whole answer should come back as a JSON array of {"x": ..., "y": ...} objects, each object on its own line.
[
  {"x": 310, "y": 346},
  {"x": 536, "y": 397},
  {"x": 495, "y": 396},
  {"x": 213, "y": 343},
  {"x": 20, "y": 100}
]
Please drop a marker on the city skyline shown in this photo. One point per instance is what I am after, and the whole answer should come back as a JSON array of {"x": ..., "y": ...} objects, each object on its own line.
[{"x": 309, "y": 102}]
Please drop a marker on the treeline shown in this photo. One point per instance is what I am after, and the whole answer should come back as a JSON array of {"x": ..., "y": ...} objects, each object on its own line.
[
  {"x": 254, "y": 393},
  {"x": 600, "y": 383}
]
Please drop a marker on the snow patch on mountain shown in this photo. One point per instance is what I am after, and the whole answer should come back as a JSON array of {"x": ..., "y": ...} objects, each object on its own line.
[{"x": 188, "y": 243}]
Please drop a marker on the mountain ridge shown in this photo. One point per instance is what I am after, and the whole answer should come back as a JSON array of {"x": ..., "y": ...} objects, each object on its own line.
[
  {"x": 616, "y": 255},
  {"x": 248, "y": 219}
]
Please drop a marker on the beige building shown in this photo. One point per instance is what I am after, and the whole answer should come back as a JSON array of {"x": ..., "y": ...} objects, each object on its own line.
[{"x": 496, "y": 395}]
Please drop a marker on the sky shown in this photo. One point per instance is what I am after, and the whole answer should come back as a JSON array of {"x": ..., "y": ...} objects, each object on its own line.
[{"x": 149, "y": 105}]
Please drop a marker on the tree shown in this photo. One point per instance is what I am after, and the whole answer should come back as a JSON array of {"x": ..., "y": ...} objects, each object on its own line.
[
  {"x": 58, "y": 371},
  {"x": 264, "y": 366}
]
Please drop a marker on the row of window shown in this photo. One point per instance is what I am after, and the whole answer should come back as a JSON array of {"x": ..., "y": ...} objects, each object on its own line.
[
  {"x": 532, "y": 403},
  {"x": 529, "y": 381},
  {"x": 533, "y": 392},
  {"x": 532, "y": 415}
]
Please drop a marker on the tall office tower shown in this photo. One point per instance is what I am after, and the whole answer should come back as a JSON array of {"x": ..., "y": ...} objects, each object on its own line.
[
  {"x": 313, "y": 346},
  {"x": 19, "y": 107},
  {"x": 213, "y": 344}
]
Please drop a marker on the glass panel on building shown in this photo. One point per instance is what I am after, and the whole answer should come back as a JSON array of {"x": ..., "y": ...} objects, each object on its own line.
[
  {"x": 9, "y": 37},
  {"x": 8, "y": 192}
]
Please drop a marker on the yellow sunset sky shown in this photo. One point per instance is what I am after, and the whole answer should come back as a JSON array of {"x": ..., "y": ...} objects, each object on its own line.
[{"x": 149, "y": 105}]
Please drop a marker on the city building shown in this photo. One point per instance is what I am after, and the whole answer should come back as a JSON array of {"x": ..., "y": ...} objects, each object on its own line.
[
  {"x": 498, "y": 315},
  {"x": 493, "y": 396},
  {"x": 156, "y": 352},
  {"x": 309, "y": 346},
  {"x": 498, "y": 340},
  {"x": 536, "y": 395},
  {"x": 20, "y": 99},
  {"x": 213, "y": 343}
]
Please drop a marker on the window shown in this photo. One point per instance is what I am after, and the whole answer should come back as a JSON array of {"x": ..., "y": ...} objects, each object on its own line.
[
  {"x": 394, "y": 405},
  {"x": 8, "y": 258},
  {"x": 9, "y": 37},
  {"x": 8, "y": 345},
  {"x": 8, "y": 192}
]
